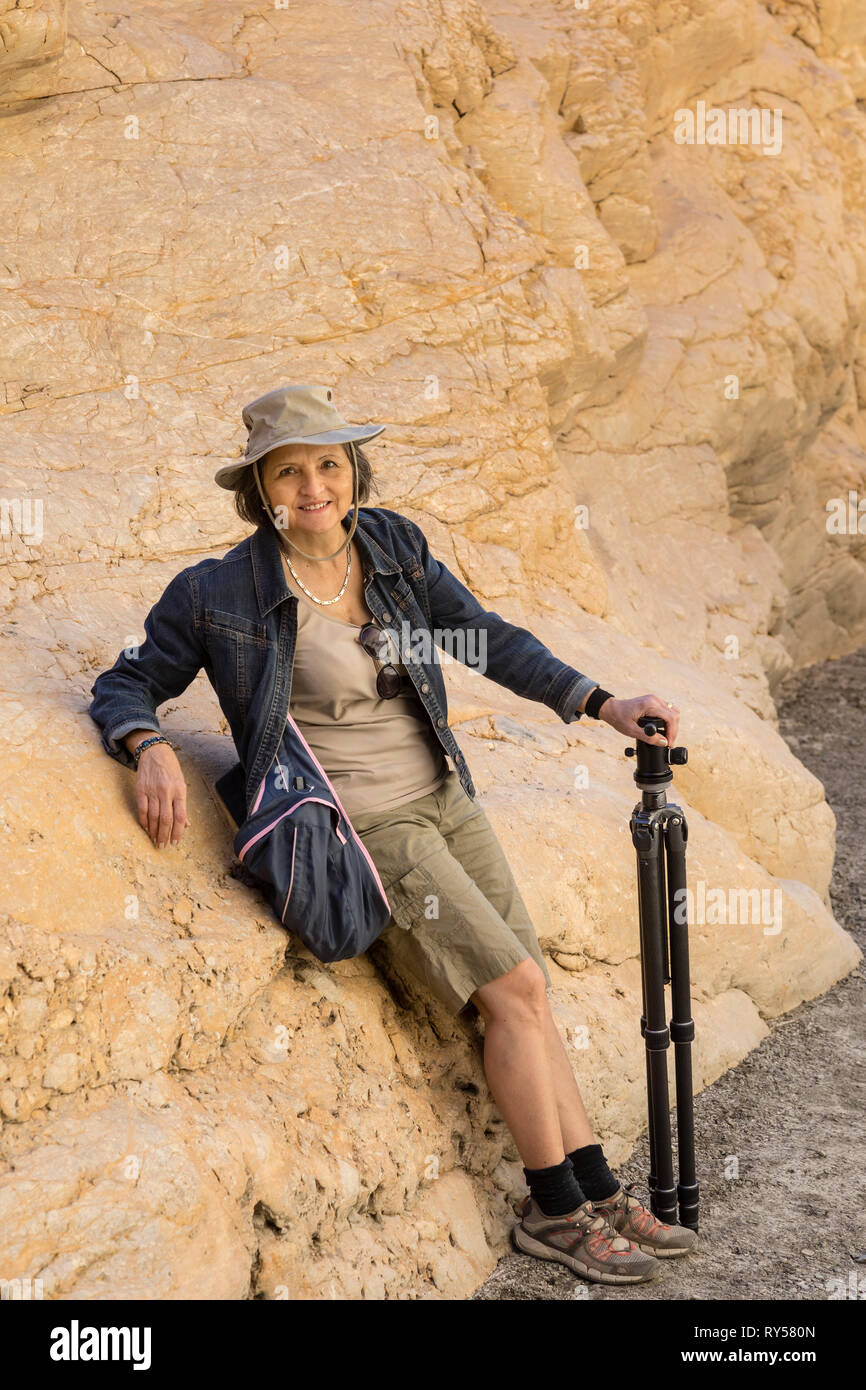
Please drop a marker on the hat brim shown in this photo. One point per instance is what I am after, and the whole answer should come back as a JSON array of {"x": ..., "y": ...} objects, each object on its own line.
[{"x": 231, "y": 474}]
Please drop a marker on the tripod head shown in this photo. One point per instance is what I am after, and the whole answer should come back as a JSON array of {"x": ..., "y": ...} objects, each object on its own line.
[{"x": 653, "y": 770}]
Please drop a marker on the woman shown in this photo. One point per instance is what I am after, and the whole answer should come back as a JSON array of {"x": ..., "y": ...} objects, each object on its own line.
[{"x": 308, "y": 612}]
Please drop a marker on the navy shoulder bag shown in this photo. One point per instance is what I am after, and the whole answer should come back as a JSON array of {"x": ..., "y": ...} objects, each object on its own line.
[{"x": 316, "y": 873}]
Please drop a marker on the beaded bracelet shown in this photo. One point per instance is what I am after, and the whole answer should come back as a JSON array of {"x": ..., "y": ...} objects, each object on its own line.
[{"x": 146, "y": 743}]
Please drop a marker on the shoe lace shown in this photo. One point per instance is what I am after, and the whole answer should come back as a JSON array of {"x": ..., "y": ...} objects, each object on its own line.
[
  {"x": 629, "y": 1190},
  {"x": 599, "y": 1224},
  {"x": 633, "y": 1201}
]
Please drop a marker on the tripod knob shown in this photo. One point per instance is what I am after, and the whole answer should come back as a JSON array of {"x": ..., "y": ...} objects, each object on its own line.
[
  {"x": 679, "y": 755},
  {"x": 631, "y": 752}
]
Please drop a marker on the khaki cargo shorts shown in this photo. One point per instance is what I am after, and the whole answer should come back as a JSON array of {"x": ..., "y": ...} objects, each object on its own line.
[{"x": 458, "y": 920}]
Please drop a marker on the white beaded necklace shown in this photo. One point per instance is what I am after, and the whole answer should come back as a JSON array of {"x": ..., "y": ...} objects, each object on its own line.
[{"x": 322, "y": 601}]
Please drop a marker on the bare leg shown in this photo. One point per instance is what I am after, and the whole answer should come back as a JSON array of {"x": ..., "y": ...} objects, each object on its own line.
[
  {"x": 573, "y": 1119},
  {"x": 528, "y": 1070}
]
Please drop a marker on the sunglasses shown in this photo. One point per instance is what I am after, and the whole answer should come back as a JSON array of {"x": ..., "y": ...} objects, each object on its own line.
[{"x": 389, "y": 681}]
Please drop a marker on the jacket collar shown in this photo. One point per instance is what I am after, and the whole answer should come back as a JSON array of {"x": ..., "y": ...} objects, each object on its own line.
[{"x": 268, "y": 575}]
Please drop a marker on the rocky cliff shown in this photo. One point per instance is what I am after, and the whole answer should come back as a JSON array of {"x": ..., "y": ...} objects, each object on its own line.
[{"x": 618, "y": 336}]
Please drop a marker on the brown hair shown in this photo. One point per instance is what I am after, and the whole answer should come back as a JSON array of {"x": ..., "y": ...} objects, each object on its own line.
[{"x": 248, "y": 503}]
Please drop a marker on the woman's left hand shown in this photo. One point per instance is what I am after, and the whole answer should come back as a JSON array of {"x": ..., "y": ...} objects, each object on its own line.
[{"x": 623, "y": 714}]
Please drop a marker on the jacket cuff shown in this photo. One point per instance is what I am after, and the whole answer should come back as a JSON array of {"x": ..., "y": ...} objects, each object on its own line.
[{"x": 567, "y": 705}]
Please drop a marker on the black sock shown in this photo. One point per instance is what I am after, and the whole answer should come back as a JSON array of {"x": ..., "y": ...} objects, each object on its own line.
[
  {"x": 592, "y": 1172},
  {"x": 556, "y": 1189}
]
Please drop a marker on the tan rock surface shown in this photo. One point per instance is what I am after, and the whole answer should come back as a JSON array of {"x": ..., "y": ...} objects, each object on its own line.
[{"x": 473, "y": 219}]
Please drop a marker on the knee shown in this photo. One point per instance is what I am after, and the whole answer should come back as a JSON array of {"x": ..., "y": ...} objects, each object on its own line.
[{"x": 521, "y": 993}]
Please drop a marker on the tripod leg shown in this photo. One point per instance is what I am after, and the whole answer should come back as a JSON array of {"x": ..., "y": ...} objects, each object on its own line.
[
  {"x": 682, "y": 1024},
  {"x": 652, "y": 1177},
  {"x": 648, "y": 838}
]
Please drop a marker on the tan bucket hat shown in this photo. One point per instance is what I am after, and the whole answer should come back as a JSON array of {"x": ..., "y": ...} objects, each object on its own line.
[{"x": 291, "y": 415}]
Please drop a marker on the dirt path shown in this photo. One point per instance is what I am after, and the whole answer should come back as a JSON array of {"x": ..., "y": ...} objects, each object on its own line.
[{"x": 793, "y": 1223}]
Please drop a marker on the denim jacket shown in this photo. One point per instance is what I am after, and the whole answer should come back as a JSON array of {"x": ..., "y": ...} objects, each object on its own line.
[{"x": 236, "y": 618}]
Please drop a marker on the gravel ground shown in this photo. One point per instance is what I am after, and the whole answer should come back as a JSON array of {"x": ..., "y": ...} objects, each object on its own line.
[{"x": 793, "y": 1224}]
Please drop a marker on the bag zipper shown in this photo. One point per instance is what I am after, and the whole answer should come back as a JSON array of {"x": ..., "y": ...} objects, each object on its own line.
[{"x": 291, "y": 811}]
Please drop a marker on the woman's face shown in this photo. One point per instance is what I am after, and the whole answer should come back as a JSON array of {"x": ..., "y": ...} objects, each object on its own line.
[{"x": 309, "y": 486}]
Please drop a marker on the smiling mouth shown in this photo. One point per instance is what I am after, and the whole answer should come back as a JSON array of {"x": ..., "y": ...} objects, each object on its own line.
[{"x": 314, "y": 507}]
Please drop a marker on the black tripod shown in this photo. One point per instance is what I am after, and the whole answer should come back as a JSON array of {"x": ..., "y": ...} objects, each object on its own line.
[{"x": 664, "y": 959}]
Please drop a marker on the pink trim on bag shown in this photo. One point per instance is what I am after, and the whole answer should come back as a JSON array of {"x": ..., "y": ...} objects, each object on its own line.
[
  {"x": 268, "y": 828},
  {"x": 292, "y": 878},
  {"x": 361, "y": 845}
]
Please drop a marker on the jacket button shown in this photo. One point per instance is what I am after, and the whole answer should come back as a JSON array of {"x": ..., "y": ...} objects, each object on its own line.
[
  {"x": 441, "y": 722},
  {"x": 424, "y": 687},
  {"x": 386, "y": 617}
]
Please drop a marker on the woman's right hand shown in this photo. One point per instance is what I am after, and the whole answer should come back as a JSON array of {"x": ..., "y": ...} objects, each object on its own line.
[{"x": 160, "y": 791}]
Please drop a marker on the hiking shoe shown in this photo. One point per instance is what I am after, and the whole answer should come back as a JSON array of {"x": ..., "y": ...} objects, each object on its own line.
[
  {"x": 585, "y": 1241},
  {"x": 633, "y": 1221}
]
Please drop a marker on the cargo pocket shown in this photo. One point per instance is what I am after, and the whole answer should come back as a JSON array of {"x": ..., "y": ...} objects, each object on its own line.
[{"x": 413, "y": 898}]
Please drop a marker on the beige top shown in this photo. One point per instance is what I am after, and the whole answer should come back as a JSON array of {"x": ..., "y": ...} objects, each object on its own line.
[{"x": 378, "y": 753}]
